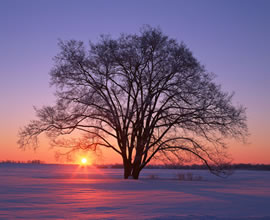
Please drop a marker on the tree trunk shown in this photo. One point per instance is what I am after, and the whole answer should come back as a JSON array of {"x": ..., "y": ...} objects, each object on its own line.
[
  {"x": 127, "y": 169},
  {"x": 137, "y": 165},
  {"x": 136, "y": 171},
  {"x": 135, "y": 174}
]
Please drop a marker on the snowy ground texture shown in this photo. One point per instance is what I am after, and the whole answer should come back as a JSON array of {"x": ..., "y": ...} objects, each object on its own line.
[{"x": 73, "y": 192}]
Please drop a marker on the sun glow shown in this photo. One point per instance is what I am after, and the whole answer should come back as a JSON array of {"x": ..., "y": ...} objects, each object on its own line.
[{"x": 83, "y": 161}]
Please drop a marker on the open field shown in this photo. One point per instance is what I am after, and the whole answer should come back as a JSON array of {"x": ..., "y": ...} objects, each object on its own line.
[{"x": 73, "y": 192}]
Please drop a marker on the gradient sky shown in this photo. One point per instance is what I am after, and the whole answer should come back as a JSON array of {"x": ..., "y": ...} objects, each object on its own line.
[{"x": 231, "y": 38}]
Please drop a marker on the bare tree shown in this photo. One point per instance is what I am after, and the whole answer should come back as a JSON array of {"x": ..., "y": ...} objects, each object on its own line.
[{"x": 144, "y": 96}]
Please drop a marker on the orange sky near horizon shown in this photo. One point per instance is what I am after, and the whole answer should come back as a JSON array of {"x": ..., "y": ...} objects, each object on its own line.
[{"x": 240, "y": 152}]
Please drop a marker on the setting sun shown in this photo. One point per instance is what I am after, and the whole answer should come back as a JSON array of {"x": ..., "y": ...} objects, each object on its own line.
[{"x": 83, "y": 160}]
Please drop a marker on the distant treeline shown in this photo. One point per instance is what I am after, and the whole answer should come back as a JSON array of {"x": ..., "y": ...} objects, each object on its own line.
[
  {"x": 21, "y": 162},
  {"x": 197, "y": 167},
  {"x": 240, "y": 166}
]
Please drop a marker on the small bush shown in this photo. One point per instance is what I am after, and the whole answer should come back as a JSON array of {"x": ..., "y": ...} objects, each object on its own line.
[
  {"x": 153, "y": 176},
  {"x": 188, "y": 177},
  {"x": 180, "y": 176}
]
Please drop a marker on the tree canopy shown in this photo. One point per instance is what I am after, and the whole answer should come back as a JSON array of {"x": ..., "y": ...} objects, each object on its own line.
[{"x": 142, "y": 95}]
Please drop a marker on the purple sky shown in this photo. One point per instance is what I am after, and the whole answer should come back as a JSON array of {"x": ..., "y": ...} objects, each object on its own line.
[{"x": 231, "y": 38}]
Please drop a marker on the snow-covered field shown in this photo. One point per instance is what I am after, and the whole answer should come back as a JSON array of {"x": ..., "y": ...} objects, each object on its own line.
[{"x": 73, "y": 192}]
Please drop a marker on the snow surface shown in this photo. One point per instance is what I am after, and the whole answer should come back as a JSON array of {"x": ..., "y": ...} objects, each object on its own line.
[{"x": 74, "y": 192}]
